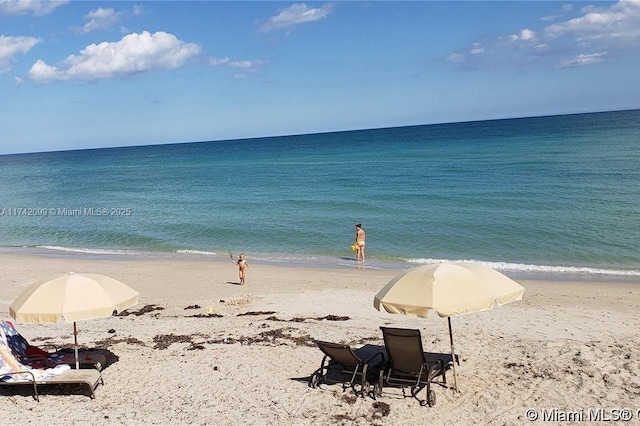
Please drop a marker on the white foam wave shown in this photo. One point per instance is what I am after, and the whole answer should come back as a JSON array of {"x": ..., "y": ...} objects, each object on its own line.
[
  {"x": 549, "y": 269},
  {"x": 207, "y": 253},
  {"x": 87, "y": 250}
]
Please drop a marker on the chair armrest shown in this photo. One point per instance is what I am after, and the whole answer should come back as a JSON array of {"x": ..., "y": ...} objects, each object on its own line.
[
  {"x": 32, "y": 380},
  {"x": 49, "y": 345},
  {"x": 16, "y": 373}
]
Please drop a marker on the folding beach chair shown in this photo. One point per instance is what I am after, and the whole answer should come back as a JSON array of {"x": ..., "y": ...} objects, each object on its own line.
[
  {"x": 408, "y": 363},
  {"x": 37, "y": 357},
  {"x": 342, "y": 358},
  {"x": 12, "y": 373}
]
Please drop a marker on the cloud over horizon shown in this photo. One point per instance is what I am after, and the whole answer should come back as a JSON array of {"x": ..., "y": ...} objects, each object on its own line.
[
  {"x": 584, "y": 40},
  {"x": 24, "y": 7},
  {"x": 11, "y": 46},
  {"x": 134, "y": 53},
  {"x": 294, "y": 15},
  {"x": 100, "y": 19},
  {"x": 242, "y": 69}
]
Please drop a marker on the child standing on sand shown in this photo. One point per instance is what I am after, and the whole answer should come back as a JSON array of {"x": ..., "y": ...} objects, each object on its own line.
[{"x": 242, "y": 268}]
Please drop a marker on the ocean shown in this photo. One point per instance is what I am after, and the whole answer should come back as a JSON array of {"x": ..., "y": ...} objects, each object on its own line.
[{"x": 545, "y": 197}]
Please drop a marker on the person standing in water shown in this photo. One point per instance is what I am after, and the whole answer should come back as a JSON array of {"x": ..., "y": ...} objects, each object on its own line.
[
  {"x": 360, "y": 235},
  {"x": 242, "y": 268}
]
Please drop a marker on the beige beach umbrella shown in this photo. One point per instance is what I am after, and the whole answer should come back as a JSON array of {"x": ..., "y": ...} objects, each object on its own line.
[
  {"x": 73, "y": 297},
  {"x": 449, "y": 288}
]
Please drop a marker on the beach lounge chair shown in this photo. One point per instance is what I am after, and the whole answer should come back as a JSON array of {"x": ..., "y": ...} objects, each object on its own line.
[
  {"x": 343, "y": 359},
  {"x": 37, "y": 357},
  {"x": 12, "y": 373},
  {"x": 408, "y": 364}
]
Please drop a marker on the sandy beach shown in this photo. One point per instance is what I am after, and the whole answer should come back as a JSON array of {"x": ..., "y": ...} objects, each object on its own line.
[{"x": 200, "y": 349}]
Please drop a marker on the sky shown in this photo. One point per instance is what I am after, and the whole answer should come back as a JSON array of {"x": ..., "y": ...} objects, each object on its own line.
[{"x": 91, "y": 74}]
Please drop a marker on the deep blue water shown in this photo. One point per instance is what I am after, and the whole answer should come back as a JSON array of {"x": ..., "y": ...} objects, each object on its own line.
[{"x": 557, "y": 195}]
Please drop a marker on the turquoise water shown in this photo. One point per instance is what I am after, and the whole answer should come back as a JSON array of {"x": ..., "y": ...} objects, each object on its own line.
[{"x": 550, "y": 195}]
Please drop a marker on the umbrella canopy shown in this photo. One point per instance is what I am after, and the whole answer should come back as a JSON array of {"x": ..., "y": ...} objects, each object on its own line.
[
  {"x": 73, "y": 297},
  {"x": 448, "y": 289}
]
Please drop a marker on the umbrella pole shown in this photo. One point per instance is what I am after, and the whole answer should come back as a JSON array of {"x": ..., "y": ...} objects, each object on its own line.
[
  {"x": 453, "y": 357},
  {"x": 75, "y": 337}
]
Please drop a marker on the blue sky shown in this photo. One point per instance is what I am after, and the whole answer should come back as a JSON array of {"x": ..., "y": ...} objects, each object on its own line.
[{"x": 87, "y": 74}]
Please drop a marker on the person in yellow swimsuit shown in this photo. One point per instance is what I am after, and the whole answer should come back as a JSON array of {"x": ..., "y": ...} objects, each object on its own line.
[
  {"x": 242, "y": 268},
  {"x": 360, "y": 235}
]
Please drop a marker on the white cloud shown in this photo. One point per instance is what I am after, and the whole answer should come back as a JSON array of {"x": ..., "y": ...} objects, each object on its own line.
[
  {"x": 217, "y": 62},
  {"x": 526, "y": 35},
  {"x": 582, "y": 59},
  {"x": 244, "y": 68},
  {"x": 477, "y": 49},
  {"x": 456, "y": 57},
  {"x": 617, "y": 26},
  {"x": 611, "y": 31},
  {"x": 134, "y": 53},
  {"x": 550, "y": 17},
  {"x": 11, "y": 46},
  {"x": 100, "y": 19},
  {"x": 294, "y": 15},
  {"x": 23, "y": 7},
  {"x": 43, "y": 71},
  {"x": 246, "y": 65}
]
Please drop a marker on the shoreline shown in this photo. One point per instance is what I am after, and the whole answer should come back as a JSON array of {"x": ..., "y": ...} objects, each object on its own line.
[
  {"x": 196, "y": 333},
  {"x": 514, "y": 271}
]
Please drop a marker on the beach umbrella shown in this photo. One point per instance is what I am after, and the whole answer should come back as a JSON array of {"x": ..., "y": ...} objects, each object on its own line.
[
  {"x": 73, "y": 297},
  {"x": 449, "y": 288}
]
